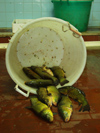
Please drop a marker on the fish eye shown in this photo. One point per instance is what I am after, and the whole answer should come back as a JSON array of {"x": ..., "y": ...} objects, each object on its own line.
[{"x": 49, "y": 94}]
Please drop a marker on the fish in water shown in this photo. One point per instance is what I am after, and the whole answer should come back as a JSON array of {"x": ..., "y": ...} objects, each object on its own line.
[
  {"x": 65, "y": 108},
  {"x": 41, "y": 109},
  {"x": 39, "y": 82},
  {"x": 44, "y": 74},
  {"x": 31, "y": 74},
  {"x": 77, "y": 95},
  {"x": 60, "y": 74}
]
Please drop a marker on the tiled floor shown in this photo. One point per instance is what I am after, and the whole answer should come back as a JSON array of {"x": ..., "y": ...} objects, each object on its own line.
[{"x": 15, "y": 118}]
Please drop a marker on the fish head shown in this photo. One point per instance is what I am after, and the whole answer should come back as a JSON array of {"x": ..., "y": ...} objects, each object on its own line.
[
  {"x": 48, "y": 101},
  {"x": 67, "y": 114},
  {"x": 55, "y": 98},
  {"x": 47, "y": 114},
  {"x": 49, "y": 118}
]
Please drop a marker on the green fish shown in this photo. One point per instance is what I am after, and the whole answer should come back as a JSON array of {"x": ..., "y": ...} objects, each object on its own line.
[
  {"x": 49, "y": 95},
  {"x": 44, "y": 74},
  {"x": 53, "y": 91},
  {"x": 65, "y": 108},
  {"x": 39, "y": 82},
  {"x": 48, "y": 70},
  {"x": 31, "y": 74},
  {"x": 41, "y": 109},
  {"x": 44, "y": 96},
  {"x": 77, "y": 95},
  {"x": 60, "y": 74}
]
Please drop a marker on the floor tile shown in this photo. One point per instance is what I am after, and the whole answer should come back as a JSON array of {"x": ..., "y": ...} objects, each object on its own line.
[{"x": 16, "y": 118}]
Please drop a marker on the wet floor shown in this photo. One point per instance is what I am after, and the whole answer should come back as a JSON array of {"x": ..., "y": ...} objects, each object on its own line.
[{"x": 14, "y": 117}]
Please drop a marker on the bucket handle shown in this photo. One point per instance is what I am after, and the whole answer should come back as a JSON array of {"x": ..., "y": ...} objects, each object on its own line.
[
  {"x": 21, "y": 92},
  {"x": 64, "y": 29}
]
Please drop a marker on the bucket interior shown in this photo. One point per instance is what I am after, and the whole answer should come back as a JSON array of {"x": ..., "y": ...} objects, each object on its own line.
[{"x": 45, "y": 41}]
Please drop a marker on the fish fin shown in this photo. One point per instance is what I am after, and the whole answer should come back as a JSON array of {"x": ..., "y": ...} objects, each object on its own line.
[
  {"x": 79, "y": 104},
  {"x": 80, "y": 109},
  {"x": 85, "y": 108},
  {"x": 63, "y": 81}
]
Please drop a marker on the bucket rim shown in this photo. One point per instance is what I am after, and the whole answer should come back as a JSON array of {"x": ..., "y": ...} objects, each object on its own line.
[{"x": 15, "y": 35}]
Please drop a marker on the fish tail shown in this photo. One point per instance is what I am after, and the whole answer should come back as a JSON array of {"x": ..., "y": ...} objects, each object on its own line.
[
  {"x": 63, "y": 81},
  {"x": 55, "y": 80},
  {"x": 47, "y": 114},
  {"x": 85, "y": 108}
]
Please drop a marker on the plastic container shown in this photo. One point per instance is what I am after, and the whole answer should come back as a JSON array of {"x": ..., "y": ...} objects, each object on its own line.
[
  {"x": 46, "y": 41},
  {"x": 19, "y": 23},
  {"x": 77, "y": 12}
]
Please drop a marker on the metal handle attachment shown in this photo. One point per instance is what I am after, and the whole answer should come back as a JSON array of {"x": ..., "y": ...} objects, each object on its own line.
[
  {"x": 21, "y": 92},
  {"x": 65, "y": 28},
  {"x": 76, "y": 33}
]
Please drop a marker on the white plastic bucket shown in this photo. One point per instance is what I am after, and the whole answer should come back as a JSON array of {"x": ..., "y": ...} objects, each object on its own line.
[{"x": 46, "y": 41}]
